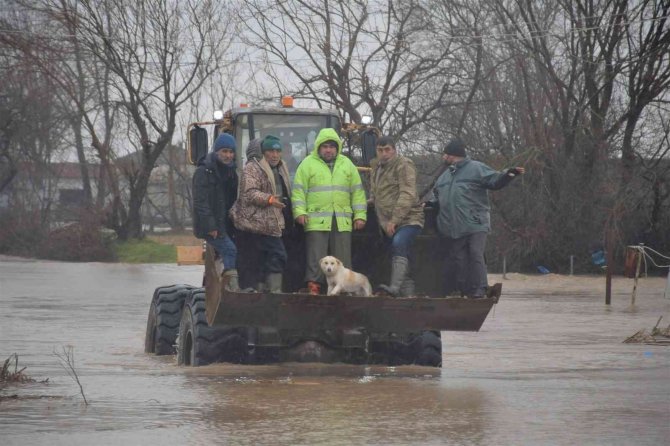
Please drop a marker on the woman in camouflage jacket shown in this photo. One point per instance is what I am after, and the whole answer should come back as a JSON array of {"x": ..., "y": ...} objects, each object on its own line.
[{"x": 260, "y": 209}]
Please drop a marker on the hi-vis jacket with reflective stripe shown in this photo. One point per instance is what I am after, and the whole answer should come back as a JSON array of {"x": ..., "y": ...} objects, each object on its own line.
[{"x": 319, "y": 193}]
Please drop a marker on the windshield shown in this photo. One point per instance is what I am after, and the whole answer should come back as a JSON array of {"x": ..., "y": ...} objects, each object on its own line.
[{"x": 297, "y": 133}]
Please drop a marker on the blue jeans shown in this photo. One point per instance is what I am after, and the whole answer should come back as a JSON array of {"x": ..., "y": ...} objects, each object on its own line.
[
  {"x": 225, "y": 248},
  {"x": 403, "y": 239}
]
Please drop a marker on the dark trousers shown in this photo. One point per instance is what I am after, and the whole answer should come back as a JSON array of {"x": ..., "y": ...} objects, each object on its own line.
[
  {"x": 322, "y": 243},
  {"x": 465, "y": 268},
  {"x": 258, "y": 256},
  {"x": 273, "y": 253}
]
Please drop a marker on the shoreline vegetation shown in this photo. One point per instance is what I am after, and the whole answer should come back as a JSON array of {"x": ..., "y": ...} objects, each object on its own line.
[
  {"x": 147, "y": 250},
  {"x": 154, "y": 248},
  {"x": 84, "y": 243}
]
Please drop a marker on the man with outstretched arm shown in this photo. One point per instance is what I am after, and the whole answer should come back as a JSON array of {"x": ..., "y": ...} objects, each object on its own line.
[{"x": 464, "y": 217}]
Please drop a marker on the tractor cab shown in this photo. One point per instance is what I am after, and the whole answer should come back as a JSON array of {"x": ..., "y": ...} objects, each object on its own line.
[{"x": 297, "y": 129}]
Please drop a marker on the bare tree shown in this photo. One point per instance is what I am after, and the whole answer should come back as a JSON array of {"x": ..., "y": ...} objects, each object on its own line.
[
  {"x": 149, "y": 58},
  {"x": 559, "y": 90},
  {"x": 32, "y": 125},
  {"x": 355, "y": 56},
  {"x": 52, "y": 48},
  {"x": 160, "y": 54},
  {"x": 647, "y": 68},
  {"x": 8, "y": 158},
  {"x": 66, "y": 360}
]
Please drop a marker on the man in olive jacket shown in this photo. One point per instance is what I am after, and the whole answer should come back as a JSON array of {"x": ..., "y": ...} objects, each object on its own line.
[
  {"x": 329, "y": 201},
  {"x": 400, "y": 215},
  {"x": 464, "y": 217},
  {"x": 214, "y": 192}
]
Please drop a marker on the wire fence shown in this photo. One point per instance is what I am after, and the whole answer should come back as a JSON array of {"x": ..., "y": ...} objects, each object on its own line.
[{"x": 643, "y": 255}]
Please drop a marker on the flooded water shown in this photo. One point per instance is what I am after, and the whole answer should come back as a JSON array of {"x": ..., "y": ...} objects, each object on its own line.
[{"x": 548, "y": 367}]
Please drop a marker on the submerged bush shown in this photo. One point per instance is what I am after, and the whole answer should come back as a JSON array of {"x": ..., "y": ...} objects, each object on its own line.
[
  {"x": 21, "y": 234},
  {"x": 79, "y": 242}
]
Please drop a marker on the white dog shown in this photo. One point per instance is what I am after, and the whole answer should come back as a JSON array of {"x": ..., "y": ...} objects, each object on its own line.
[{"x": 343, "y": 280}]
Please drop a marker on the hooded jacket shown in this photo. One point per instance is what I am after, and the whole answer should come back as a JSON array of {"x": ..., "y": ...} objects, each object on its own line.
[
  {"x": 320, "y": 193},
  {"x": 393, "y": 190},
  {"x": 462, "y": 194},
  {"x": 254, "y": 150},
  {"x": 214, "y": 192}
]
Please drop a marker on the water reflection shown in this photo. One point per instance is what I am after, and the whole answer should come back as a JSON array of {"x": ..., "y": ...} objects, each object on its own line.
[{"x": 312, "y": 404}]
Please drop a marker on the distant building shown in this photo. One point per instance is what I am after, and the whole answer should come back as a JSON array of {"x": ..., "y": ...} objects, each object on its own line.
[{"x": 58, "y": 188}]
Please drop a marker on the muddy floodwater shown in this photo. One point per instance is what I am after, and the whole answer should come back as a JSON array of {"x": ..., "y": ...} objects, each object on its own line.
[{"x": 548, "y": 367}]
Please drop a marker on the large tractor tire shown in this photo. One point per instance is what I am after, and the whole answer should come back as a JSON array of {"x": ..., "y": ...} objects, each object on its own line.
[
  {"x": 164, "y": 317},
  {"x": 199, "y": 344},
  {"x": 426, "y": 349}
]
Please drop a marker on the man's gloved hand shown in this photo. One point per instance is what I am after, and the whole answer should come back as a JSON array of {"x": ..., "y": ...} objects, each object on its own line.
[{"x": 514, "y": 171}]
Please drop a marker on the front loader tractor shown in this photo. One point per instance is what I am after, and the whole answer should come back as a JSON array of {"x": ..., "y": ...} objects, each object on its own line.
[{"x": 206, "y": 324}]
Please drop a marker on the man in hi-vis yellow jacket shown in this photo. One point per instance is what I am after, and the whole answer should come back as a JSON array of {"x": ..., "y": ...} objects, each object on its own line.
[{"x": 328, "y": 201}]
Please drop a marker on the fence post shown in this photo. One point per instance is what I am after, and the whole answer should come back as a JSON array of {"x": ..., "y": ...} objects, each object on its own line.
[
  {"x": 637, "y": 276},
  {"x": 504, "y": 267},
  {"x": 572, "y": 264},
  {"x": 609, "y": 256}
]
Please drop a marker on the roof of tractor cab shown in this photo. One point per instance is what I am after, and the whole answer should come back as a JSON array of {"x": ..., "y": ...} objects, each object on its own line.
[{"x": 284, "y": 111}]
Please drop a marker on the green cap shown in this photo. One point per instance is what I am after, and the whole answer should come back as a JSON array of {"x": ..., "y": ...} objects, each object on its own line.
[{"x": 271, "y": 143}]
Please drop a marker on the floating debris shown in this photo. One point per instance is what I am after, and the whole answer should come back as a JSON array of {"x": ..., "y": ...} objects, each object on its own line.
[{"x": 658, "y": 336}]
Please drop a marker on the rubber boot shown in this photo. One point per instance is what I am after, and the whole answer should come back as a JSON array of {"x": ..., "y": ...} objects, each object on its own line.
[
  {"x": 407, "y": 288},
  {"x": 399, "y": 270},
  {"x": 273, "y": 282},
  {"x": 230, "y": 280},
  {"x": 314, "y": 288}
]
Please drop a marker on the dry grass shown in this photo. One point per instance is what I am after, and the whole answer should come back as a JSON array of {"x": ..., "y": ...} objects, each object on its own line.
[
  {"x": 658, "y": 336},
  {"x": 8, "y": 376}
]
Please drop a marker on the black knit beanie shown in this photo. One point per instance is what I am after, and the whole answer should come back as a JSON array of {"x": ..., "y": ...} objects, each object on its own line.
[{"x": 455, "y": 147}]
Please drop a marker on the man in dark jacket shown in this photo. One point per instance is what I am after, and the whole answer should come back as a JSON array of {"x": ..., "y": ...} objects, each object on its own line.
[
  {"x": 214, "y": 192},
  {"x": 464, "y": 217}
]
